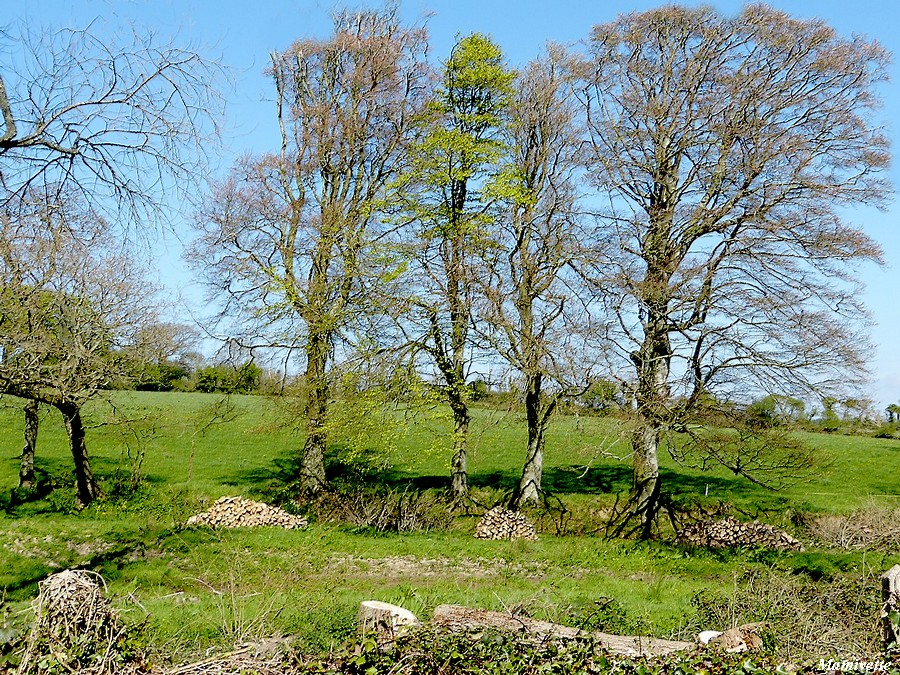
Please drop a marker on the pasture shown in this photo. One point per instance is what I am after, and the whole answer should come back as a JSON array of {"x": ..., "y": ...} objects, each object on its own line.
[{"x": 194, "y": 589}]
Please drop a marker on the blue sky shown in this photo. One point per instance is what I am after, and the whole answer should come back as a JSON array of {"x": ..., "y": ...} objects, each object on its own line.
[{"x": 243, "y": 33}]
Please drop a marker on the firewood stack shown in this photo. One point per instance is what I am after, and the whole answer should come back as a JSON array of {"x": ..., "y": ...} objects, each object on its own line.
[
  {"x": 500, "y": 523},
  {"x": 240, "y": 512},
  {"x": 732, "y": 533}
]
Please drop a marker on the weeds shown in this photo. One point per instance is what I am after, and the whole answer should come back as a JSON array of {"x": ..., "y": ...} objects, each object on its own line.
[
  {"x": 875, "y": 527},
  {"x": 804, "y": 617},
  {"x": 384, "y": 510}
]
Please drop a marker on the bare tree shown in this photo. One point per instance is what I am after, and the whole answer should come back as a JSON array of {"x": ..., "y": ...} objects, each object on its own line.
[
  {"x": 69, "y": 301},
  {"x": 444, "y": 198},
  {"x": 118, "y": 121},
  {"x": 531, "y": 313},
  {"x": 729, "y": 148},
  {"x": 286, "y": 241}
]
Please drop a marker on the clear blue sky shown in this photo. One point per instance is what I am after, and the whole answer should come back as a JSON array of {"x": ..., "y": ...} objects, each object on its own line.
[{"x": 243, "y": 32}]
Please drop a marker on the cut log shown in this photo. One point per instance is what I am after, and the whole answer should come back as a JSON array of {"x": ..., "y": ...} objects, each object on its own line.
[
  {"x": 705, "y": 636},
  {"x": 387, "y": 621},
  {"x": 457, "y": 618},
  {"x": 890, "y": 611}
]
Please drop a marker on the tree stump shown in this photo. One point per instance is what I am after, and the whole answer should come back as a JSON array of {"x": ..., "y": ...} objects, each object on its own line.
[
  {"x": 385, "y": 620},
  {"x": 890, "y": 611}
]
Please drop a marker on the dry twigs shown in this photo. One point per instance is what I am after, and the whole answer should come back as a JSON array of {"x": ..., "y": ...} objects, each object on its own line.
[
  {"x": 245, "y": 659},
  {"x": 76, "y": 631}
]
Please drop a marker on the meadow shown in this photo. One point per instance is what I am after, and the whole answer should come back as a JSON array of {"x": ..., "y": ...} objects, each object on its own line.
[{"x": 196, "y": 589}]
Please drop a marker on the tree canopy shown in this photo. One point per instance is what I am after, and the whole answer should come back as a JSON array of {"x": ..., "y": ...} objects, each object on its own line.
[{"x": 729, "y": 148}]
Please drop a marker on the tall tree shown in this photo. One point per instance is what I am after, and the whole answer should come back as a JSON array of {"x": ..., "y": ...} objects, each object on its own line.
[
  {"x": 457, "y": 153},
  {"x": 730, "y": 148},
  {"x": 530, "y": 313},
  {"x": 893, "y": 411},
  {"x": 286, "y": 240}
]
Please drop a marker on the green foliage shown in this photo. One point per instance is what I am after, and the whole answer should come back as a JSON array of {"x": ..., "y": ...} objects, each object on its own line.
[
  {"x": 602, "y": 396},
  {"x": 603, "y": 614},
  {"x": 763, "y": 412},
  {"x": 229, "y": 379},
  {"x": 480, "y": 390},
  {"x": 459, "y": 142},
  {"x": 425, "y": 652},
  {"x": 162, "y": 376}
]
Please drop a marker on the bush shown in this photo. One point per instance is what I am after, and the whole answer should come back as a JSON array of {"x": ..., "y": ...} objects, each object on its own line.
[
  {"x": 228, "y": 379},
  {"x": 875, "y": 527}
]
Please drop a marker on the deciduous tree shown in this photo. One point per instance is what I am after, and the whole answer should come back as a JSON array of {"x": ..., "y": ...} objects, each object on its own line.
[
  {"x": 730, "y": 149},
  {"x": 530, "y": 313},
  {"x": 286, "y": 240},
  {"x": 122, "y": 122},
  {"x": 70, "y": 299},
  {"x": 444, "y": 198}
]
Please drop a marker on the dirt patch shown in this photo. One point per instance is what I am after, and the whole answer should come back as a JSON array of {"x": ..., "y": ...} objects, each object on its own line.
[{"x": 412, "y": 567}]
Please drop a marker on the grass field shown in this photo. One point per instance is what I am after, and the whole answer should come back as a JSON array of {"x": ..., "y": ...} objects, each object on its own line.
[{"x": 200, "y": 588}]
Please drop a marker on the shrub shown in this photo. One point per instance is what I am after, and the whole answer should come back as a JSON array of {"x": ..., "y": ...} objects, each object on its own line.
[{"x": 875, "y": 527}]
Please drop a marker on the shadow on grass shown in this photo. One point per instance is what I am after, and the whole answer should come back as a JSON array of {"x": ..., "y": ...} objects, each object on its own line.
[
  {"x": 281, "y": 476},
  {"x": 54, "y": 485}
]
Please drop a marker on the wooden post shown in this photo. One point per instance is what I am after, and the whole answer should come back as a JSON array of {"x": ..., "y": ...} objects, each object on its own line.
[{"x": 890, "y": 611}]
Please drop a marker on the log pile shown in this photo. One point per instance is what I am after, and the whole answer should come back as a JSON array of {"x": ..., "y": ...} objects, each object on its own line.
[
  {"x": 732, "y": 533},
  {"x": 500, "y": 523},
  {"x": 240, "y": 512}
]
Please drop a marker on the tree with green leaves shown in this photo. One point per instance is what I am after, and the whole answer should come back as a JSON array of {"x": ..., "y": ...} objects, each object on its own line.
[
  {"x": 893, "y": 411},
  {"x": 444, "y": 197},
  {"x": 730, "y": 148},
  {"x": 287, "y": 241}
]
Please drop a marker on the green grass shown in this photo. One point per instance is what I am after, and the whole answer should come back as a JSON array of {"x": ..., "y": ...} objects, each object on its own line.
[{"x": 201, "y": 588}]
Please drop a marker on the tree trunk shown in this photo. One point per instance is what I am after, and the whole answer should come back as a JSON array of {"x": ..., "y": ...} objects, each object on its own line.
[
  {"x": 312, "y": 465},
  {"x": 652, "y": 362},
  {"x": 459, "y": 477},
  {"x": 645, "y": 489},
  {"x": 529, "y": 488},
  {"x": 85, "y": 485},
  {"x": 26, "y": 468}
]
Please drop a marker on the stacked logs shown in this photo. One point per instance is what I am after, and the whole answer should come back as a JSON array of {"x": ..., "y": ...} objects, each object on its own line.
[
  {"x": 240, "y": 512},
  {"x": 500, "y": 523},
  {"x": 732, "y": 533}
]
